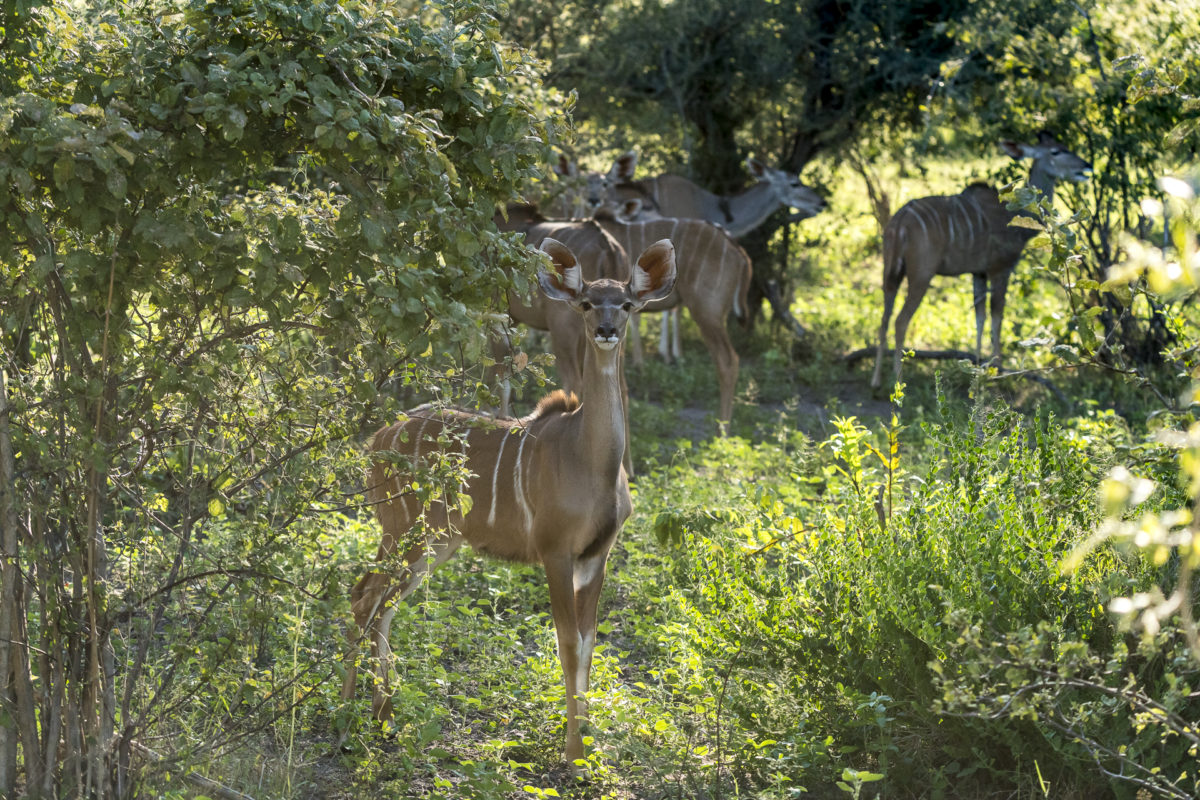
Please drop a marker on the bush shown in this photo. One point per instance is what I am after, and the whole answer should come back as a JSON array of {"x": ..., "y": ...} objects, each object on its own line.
[{"x": 918, "y": 623}]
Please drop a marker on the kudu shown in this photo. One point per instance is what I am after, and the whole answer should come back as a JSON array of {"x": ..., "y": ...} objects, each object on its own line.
[
  {"x": 966, "y": 233},
  {"x": 714, "y": 275},
  {"x": 545, "y": 489},
  {"x": 675, "y": 196}
]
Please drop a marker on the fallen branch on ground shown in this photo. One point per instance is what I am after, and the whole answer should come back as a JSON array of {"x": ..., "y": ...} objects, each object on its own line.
[
  {"x": 944, "y": 355},
  {"x": 964, "y": 355}
]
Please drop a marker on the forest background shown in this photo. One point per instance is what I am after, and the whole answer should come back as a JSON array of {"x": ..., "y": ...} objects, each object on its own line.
[{"x": 240, "y": 236}]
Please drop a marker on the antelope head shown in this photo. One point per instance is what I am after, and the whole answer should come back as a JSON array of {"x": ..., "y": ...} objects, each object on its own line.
[
  {"x": 1051, "y": 157},
  {"x": 627, "y": 211},
  {"x": 599, "y": 185},
  {"x": 606, "y": 304},
  {"x": 787, "y": 188}
]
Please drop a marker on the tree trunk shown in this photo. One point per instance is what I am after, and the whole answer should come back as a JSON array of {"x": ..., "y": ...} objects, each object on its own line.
[{"x": 16, "y": 680}]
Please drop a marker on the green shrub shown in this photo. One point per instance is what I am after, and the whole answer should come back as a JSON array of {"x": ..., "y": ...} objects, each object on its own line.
[{"x": 846, "y": 612}]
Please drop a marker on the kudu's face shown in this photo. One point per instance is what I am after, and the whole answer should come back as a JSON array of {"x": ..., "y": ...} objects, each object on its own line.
[
  {"x": 1063, "y": 165},
  {"x": 789, "y": 190},
  {"x": 600, "y": 186},
  {"x": 1053, "y": 158},
  {"x": 598, "y": 189},
  {"x": 606, "y": 304}
]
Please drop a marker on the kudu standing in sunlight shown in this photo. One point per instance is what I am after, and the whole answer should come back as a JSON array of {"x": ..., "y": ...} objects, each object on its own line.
[
  {"x": 545, "y": 489},
  {"x": 675, "y": 196},
  {"x": 714, "y": 276},
  {"x": 966, "y": 233}
]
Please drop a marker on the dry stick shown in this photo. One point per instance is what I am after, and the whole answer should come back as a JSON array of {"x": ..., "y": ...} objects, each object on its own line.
[
  {"x": 963, "y": 355},
  {"x": 207, "y": 784},
  {"x": 945, "y": 355}
]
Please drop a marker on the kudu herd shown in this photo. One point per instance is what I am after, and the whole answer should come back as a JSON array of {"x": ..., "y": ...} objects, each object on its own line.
[
  {"x": 551, "y": 488},
  {"x": 674, "y": 196}
]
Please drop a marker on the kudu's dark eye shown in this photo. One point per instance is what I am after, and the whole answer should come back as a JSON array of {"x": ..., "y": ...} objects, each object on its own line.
[
  {"x": 584, "y": 305},
  {"x": 627, "y": 306}
]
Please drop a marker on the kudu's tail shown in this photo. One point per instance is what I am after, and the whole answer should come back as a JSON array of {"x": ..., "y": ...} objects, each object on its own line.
[{"x": 895, "y": 236}]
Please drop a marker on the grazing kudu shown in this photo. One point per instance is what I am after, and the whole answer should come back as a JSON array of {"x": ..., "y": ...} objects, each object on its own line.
[
  {"x": 966, "y": 233},
  {"x": 675, "y": 196},
  {"x": 545, "y": 489},
  {"x": 714, "y": 275}
]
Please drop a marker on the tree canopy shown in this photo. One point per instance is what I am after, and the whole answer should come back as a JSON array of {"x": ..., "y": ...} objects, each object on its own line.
[{"x": 226, "y": 227}]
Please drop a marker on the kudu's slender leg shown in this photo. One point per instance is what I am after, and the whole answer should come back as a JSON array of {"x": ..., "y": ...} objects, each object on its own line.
[
  {"x": 664, "y": 336},
  {"x": 999, "y": 289},
  {"x": 670, "y": 347},
  {"x": 711, "y": 323},
  {"x": 635, "y": 339},
  {"x": 891, "y": 285},
  {"x": 918, "y": 284},
  {"x": 588, "y": 581},
  {"x": 560, "y": 577},
  {"x": 980, "y": 286},
  {"x": 373, "y": 601},
  {"x": 676, "y": 342}
]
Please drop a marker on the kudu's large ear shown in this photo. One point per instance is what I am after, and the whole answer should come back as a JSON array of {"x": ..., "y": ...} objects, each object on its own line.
[
  {"x": 623, "y": 168},
  {"x": 1015, "y": 149},
  {"x": 654, "y": 274},
  {"x": 566, "y": 281},
  {"x": 757, "y": 168},
  {"x": 630, "y": 209},
  {"x": 565, "y": 168}
]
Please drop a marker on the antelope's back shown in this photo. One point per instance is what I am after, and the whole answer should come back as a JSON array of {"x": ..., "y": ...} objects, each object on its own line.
[
  {"x": 502, "y": 461},
  {"x": 599, "y": 254}
]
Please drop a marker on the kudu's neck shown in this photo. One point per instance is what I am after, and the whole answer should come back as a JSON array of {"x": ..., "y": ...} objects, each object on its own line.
[
  {"x": 748, "y": 209},
  {"x": 602, "y": 408},
  {"x": 1041, "y": 179}
]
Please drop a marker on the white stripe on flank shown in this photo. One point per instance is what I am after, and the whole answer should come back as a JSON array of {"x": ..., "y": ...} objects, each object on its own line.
[
  {"x": 394, "y": 469},
  {"x": 463, "y": 487},
  {"x": 495, "y": 477},
  {"x": 950, "y": 222},
  {"x": 912, "y": 208},
  {"x": 983, "y": 222},
  {"x": 970, "y": 226},
  {"x": 737, "y": 285},
  {"x": 519, "y": 486},
  {"x": 417, "y": 438}
]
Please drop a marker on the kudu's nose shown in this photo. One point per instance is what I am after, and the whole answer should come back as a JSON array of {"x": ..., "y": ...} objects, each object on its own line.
[{"x": 606, "y": 331}]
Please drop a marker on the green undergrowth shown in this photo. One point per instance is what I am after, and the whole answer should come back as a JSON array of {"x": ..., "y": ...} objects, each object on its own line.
[{"x": 882, "y": 609}]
